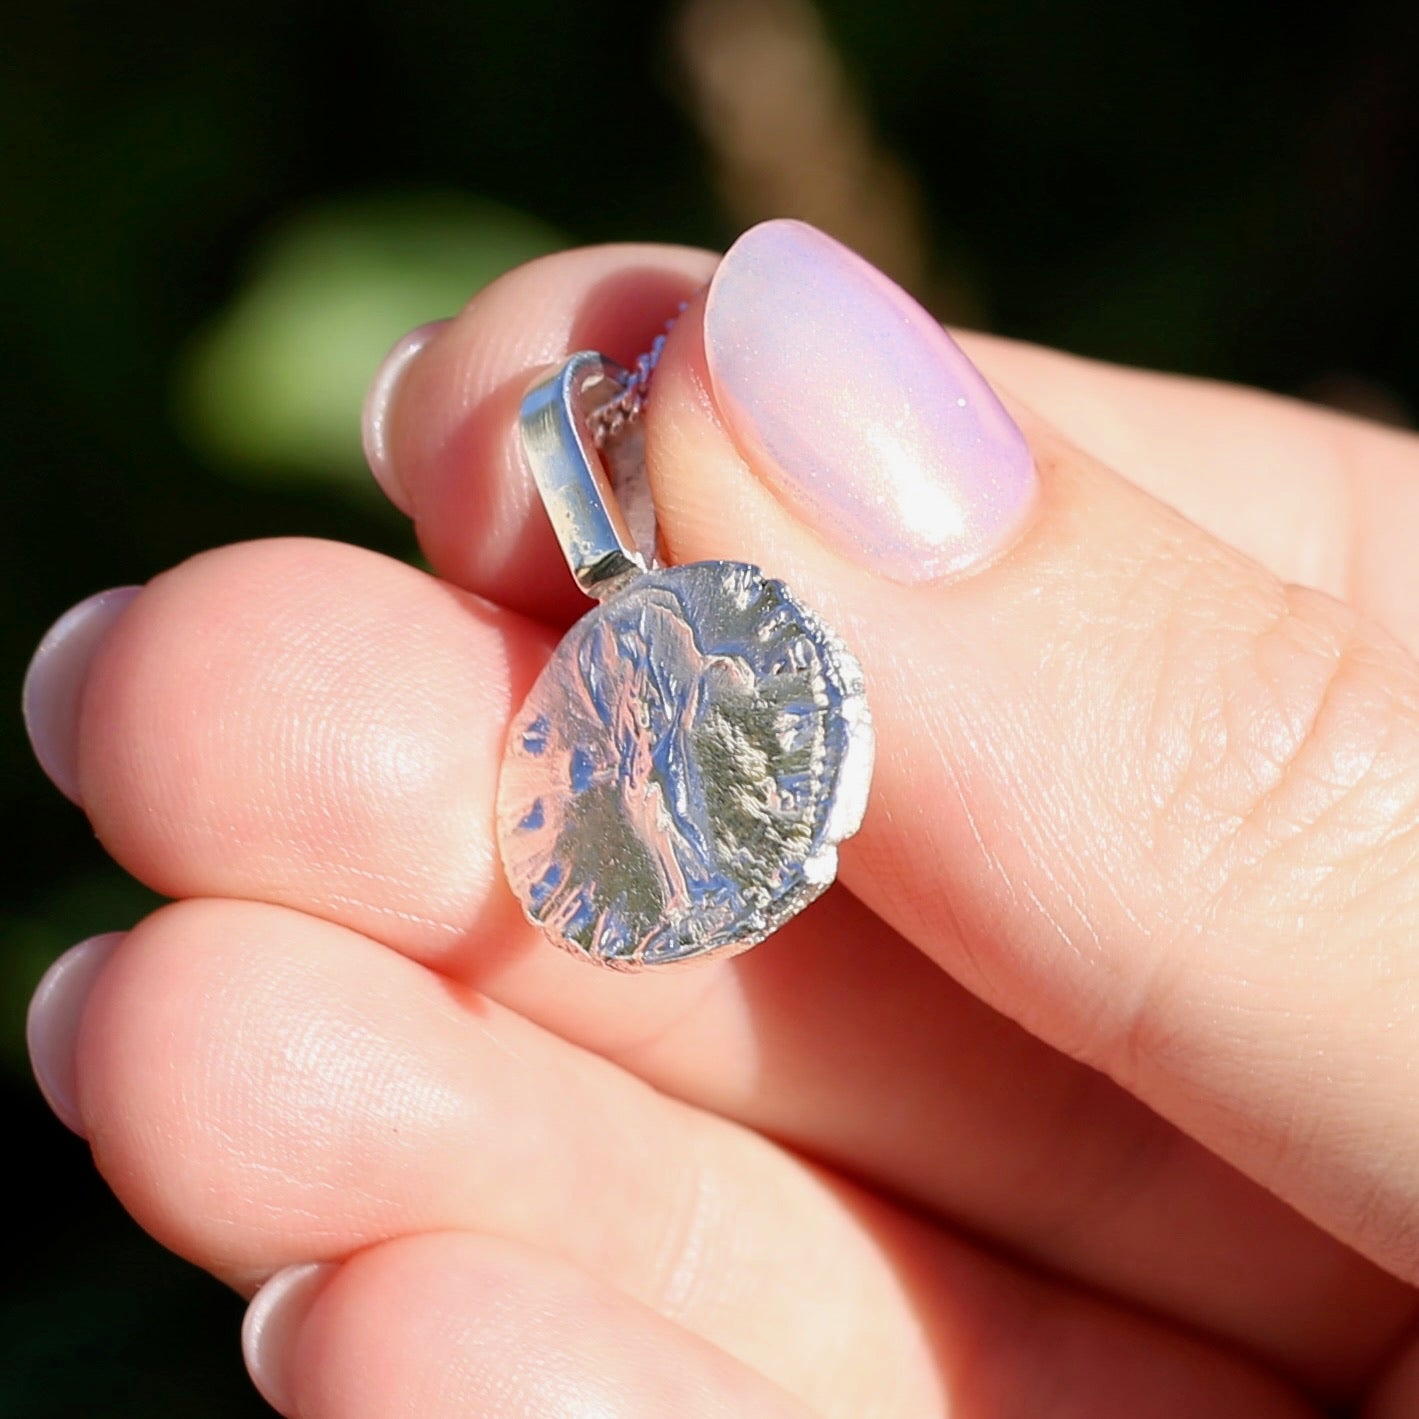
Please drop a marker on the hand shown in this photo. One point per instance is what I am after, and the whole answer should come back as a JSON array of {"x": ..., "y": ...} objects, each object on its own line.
[{"x": 1089, "y": 1090}]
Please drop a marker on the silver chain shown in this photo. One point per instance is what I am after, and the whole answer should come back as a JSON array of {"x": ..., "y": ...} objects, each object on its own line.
[{"x": 608, "y": 419}]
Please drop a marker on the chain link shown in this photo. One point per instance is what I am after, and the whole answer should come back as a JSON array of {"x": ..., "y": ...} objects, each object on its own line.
[{"x": 608, "y": 419}]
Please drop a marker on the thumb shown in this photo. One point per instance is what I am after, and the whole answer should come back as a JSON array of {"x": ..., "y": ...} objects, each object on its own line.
[{"x": 1131, "y": 789}]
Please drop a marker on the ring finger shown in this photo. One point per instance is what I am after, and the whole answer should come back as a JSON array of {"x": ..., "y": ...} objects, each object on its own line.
[{"x": 263, "y": 1088}]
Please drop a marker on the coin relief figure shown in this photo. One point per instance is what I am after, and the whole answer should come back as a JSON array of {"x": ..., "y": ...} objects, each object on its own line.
[{"x": 679, "y": 776}]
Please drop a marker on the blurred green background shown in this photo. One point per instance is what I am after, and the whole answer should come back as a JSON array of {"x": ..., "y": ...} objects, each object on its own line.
[{"x": 219, "y": 216}]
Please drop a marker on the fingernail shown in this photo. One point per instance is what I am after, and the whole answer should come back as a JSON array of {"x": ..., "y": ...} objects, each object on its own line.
[
  {"x": 54, "y": 683},
  {"x": 861, "y": 413},
  {"x": 380, "y": 400},
  {"x": 52, "y": 1025},
  {"x": 272, "y": 1326}
]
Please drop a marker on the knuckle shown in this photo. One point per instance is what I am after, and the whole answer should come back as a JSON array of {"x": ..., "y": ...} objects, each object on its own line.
[
  {"x": 1281, "y": 800},
  {"x": 1299, "y": 785}
]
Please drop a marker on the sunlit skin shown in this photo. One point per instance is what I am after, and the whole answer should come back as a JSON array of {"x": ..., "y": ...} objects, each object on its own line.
[{"x": 1087, "y": 1091}]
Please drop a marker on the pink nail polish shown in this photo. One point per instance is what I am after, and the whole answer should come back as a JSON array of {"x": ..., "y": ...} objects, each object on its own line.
[
  {"x": 380, "y": 400},
  {"x": 859, "y": 410},
  {"x": 52, "y": 1026},
  {"x": 272, "y": 1327},
  {"x": 54, "y": 683}
]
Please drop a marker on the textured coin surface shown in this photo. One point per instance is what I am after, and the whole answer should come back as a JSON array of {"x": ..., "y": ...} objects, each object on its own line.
[{"x": 682, "y": 770}]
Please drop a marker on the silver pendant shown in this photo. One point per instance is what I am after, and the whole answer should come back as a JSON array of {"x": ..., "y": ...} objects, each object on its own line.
[{"x": 677, "y": 782}]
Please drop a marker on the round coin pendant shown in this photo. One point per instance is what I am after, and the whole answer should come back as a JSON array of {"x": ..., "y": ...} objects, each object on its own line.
[{"x": 679, "y": 777}]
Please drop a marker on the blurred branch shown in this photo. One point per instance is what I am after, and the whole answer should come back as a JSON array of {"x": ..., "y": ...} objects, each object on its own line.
[
  {"x": 1353, "y": 393},
  {"x": 789, "y": 133}
]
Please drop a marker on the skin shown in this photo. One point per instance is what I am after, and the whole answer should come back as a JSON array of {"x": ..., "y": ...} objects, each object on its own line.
[{"x": 1087, "y": 1091}]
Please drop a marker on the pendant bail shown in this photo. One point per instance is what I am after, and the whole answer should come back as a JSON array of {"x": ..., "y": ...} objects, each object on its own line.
[{"x": 595, "y": 491}]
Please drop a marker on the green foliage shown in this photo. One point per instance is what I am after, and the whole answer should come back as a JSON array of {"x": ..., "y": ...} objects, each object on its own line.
[{"x": 273, "y": 386}]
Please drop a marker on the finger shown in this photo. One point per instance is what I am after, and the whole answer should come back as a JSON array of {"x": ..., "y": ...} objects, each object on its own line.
[
  {"x": 1131, "y": 788},
  {"x": 454, "y": 1324},
  {"x": 1395, "y": 1394},
  {"x": 476, "y": 526},
  {"x": 262, "y": 1087},
  {"x": 1316, "y": 496},
  {"x": 457, "y": 1324},
  {"x": 307, "y": 724}
]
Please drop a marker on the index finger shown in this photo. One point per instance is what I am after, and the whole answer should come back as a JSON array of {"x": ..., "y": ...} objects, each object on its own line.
[{"x": 1315, "y": 496}]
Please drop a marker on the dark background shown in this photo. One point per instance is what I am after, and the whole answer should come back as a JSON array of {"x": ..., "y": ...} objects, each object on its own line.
[{"x": 216, "y": 217}]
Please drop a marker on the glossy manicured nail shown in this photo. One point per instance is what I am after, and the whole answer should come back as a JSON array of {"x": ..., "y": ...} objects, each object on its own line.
[
  {"x": 861, "y": 413},
  {"x": 54, "y": 683},
  {"x": 273, "y": 1324},
  {"x": 52, "y": 1027},
  {"x": 380, "y": 400}
]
